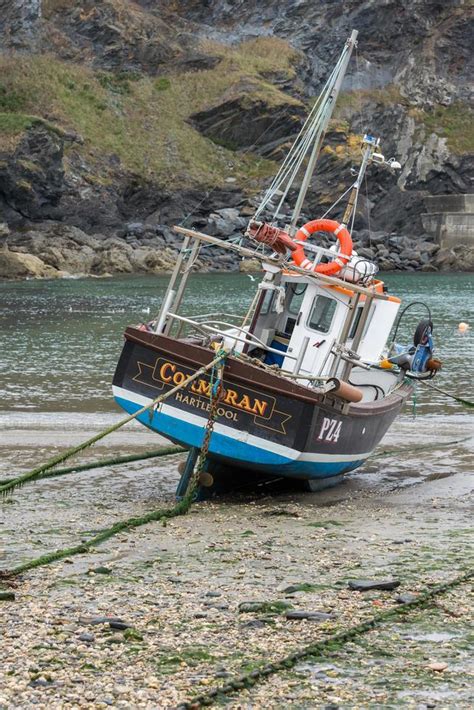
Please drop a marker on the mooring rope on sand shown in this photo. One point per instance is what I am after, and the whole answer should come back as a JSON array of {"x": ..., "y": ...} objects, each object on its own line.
[
  {"x": 101, "y": 463},
  {"x": 422, "y": 447},
  {"x": 320, "y": 648},
  {"x": 180, "y": 508},
  {"x": 35, "y": 473}
]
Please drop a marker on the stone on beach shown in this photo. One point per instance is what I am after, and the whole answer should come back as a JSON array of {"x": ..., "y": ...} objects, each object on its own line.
[
  {"x": 366, "y": 585},
  {"x": 298, "y": 615},
  {"x": 6, "y": 596}
]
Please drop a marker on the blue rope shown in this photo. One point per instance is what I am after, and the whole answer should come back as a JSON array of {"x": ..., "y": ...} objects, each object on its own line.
[{"x": 217, "y": 375}]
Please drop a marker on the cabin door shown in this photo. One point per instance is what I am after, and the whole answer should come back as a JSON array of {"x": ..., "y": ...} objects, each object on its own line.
[{"x": 319, "y": 321}]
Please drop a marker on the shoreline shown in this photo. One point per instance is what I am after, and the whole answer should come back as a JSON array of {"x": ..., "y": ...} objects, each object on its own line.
[
  {"x": 55, "y": 250},
  {"x": 405, "y": 516}
]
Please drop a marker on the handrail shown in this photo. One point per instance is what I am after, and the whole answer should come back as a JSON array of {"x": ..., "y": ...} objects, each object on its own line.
[
  {"x": 217, "y": 313},
  {"x": 315, "y": 249},
  {"x": 230, "y": 325},
  {"x": 257, "y": 341}
]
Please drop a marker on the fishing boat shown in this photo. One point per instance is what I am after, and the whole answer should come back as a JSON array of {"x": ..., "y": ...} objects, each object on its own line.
[{"x": 311, "y": 382}]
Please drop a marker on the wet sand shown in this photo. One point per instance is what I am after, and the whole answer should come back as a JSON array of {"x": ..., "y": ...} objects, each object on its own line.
[{"x": 406, "y": 516}]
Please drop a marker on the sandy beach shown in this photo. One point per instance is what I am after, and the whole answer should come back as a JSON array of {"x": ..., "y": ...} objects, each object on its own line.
[{"x": 207, "y": 596}]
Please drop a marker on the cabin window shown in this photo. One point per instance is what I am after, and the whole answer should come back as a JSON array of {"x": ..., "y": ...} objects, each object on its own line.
[
  {"x": 322, "y": 314},
  {"x": 267, "y": 302},
  {"x": 295, "y": 297},
  {"x": 356, "y": 322}
]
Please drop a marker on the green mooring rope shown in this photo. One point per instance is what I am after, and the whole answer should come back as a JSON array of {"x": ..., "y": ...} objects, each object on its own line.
[
  {"x": 465, "y": 402},
  {"x": 181, "y": 508},
  {"x": 319, "y": 648},
  {"x": 422, "y": 447},
  {"x": 101, "y": 463},
  {"x": 36, "y": 472}
]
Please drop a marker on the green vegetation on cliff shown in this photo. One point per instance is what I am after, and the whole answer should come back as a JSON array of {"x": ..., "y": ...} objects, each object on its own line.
[
  {"x": 455, "y": 123},
  {"x": 140, "y": 119}
]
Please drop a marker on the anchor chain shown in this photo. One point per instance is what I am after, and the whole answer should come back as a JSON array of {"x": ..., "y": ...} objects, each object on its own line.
[
  {"x": 322, "y": 647},
  {"x": 37, "y": 472},
  {"x": 216, "y": 393}
]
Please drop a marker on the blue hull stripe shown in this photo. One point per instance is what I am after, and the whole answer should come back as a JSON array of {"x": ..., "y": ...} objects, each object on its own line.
[{"x": 237, "y": 453}]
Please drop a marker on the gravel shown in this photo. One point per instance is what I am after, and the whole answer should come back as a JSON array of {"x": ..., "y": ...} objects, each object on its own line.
[{"x": 188, "y": 604}]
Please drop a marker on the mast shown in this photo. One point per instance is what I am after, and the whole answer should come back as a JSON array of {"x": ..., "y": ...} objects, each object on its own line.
[{"x": 331, "y": 103}]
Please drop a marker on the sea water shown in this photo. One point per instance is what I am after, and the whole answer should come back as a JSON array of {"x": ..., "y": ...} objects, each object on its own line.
[{"x": 60, "y": 342}]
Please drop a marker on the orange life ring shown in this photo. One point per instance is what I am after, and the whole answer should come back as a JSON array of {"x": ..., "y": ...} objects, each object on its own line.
[{"x": 323, "y": 225}]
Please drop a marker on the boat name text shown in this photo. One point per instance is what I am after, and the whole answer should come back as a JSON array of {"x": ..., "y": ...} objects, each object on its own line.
[{"x": 170, "y": 374}]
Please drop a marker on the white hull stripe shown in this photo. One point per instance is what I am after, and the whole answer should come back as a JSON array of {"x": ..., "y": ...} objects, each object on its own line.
[{"x": 236, "y": 434}]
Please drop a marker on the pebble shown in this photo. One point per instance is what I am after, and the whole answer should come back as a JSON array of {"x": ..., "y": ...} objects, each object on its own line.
[
  {"x": 121, "y": 689},
  {"x": 88, "y": 638},
  {"x": 406, "y": 598},
  {"x": 119, "y": 625},
  {"x": 95, "y": 620},
  {"x": 7, "y": 596},
  {"x": 294, "y": 588},
  {"x": 40, "y": 683},
  {"x": 310, "y": 615},
  {"x": 439, "y": 667},
  {"x": 255, "y": 624},
  {"x": 365, "y": 585}
]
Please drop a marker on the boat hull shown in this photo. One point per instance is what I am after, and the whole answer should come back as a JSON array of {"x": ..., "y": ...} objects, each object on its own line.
[{"x": 264, "y": 423}]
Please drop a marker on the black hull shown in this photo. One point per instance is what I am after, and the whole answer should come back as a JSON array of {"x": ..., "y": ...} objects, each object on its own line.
[{"x": 264, "y": 422}]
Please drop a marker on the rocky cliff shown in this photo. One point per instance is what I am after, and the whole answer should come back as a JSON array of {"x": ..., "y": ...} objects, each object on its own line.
[{"x": 120, "y": 118}]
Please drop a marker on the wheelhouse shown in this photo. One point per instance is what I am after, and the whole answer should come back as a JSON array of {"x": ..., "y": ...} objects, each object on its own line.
[{"x": 301, "y": 322}]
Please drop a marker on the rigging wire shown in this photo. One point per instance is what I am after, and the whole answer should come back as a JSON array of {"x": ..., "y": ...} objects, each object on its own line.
[
  {"x": 341, "y": 197},
  {"x": 310, "y": 132},
  {"x": 251, "y": 148},
  {"x": 358, "y": 101},
  {"x": 313, "y": 117},
  {"x": 312, "y": 137},
  {"x": 290, "y": 167},
  {"x": 367, "y": 208}
]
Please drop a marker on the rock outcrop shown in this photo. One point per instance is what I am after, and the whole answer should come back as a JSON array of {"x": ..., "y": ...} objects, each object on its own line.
[
  {"x": 32, "y": 176},
  {"x": 119, "y": 113},
  {"x": 244, "y": 119}
]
